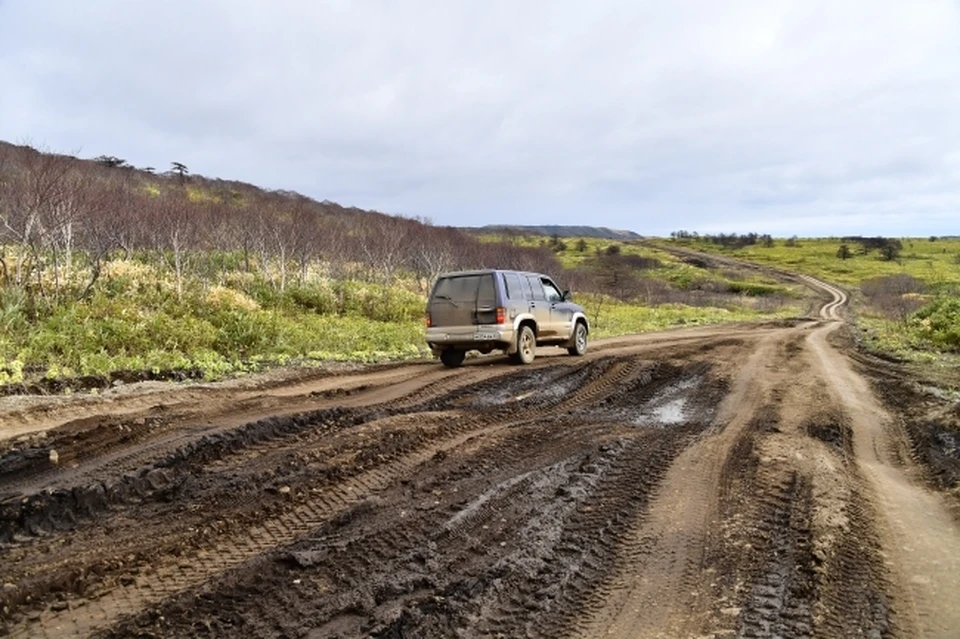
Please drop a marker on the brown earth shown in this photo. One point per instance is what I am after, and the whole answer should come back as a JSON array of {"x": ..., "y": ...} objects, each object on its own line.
[{"x": 756, "y": 481}]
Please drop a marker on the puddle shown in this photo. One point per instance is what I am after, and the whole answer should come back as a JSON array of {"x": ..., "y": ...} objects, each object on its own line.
[
  {"x": 669, "y": 406},
  {"x": 667, "y": 414}
]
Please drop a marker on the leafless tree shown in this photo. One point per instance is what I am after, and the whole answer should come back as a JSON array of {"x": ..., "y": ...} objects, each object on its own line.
[
  {"x": 177, "y": 223},
  {"x": 896, "y": 296}
]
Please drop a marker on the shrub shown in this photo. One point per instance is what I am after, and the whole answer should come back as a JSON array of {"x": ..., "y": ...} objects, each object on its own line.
[
  {"x": 230, "y": 298},
  {"x": 316, "y": 298},
  {"x": 939, "y": 322}
]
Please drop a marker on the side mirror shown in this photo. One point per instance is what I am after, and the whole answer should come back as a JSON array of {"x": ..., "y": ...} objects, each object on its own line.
[{"x": 566, "y": 296}]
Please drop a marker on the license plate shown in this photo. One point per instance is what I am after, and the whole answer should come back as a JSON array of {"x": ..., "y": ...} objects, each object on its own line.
[{"x": 484, "y": 336}]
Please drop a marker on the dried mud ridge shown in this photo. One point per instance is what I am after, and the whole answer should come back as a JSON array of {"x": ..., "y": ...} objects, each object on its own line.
[{"x": 692, "y": 483}]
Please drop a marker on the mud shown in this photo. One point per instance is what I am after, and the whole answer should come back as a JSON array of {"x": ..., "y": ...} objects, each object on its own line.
[{"x": 693, "y": 483}]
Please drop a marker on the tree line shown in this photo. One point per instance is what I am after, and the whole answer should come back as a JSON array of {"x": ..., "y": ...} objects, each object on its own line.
[{"x": 62, "y": 218}]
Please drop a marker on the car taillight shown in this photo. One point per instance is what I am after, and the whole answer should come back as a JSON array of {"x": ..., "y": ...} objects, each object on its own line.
[
  {"x": 428, "y": 320},
  {"x": 501, "y": 315}
]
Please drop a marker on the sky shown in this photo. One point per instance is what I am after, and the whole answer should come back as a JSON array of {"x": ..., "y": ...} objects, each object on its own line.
[{"x": 798, "y": 117}]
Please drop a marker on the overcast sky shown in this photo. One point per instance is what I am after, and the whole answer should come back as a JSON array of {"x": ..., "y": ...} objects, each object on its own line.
[{"x": 806, "y": 117}]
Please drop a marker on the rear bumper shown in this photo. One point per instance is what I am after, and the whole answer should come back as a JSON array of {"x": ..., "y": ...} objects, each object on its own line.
[{"x": 483, "y": 337}]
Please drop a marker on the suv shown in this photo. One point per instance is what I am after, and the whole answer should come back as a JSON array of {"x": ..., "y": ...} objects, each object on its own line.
[{"x": 512, "y": 311}]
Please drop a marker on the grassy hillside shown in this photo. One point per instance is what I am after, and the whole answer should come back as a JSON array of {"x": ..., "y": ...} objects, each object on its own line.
[
  {"x": 564, "y": 231},
  {"x": 906, "y": 291},
  {"x": 109, "y": 272},
  {"x": 632, "y": 286}
]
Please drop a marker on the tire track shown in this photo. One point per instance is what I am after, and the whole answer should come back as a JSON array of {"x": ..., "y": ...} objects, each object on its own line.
[
  {"x": 152, "y": 584},
  {"x": 649, "y": 595},
  {"x": 918, "y": 534},
  {"x": 267, "y": 444}
]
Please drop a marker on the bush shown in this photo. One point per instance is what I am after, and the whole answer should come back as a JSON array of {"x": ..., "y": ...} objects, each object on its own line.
[
  {"x": 756, "y": 289},
  {"x": 315, "y": 298},
  {"x": 939, "y": 323}
]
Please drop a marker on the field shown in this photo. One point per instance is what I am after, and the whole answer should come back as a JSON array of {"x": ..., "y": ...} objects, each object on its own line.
[
  {"x": 905, "y": 305},
  {"x": 934, "y": 261},
  {"x": 141, "y": 321}
]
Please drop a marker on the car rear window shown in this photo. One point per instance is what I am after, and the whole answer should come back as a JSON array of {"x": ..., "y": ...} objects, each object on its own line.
[{"x": 466, "y": 288}]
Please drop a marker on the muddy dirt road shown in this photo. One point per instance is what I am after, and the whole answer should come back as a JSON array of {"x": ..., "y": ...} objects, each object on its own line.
[{"x": 758, "y": 481}]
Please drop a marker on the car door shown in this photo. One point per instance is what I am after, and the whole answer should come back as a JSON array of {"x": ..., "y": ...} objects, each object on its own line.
[
  {"x": 539, "y": 306},
  {"x": 561, "y": 311},
  {"x": 517, "y": 293}
]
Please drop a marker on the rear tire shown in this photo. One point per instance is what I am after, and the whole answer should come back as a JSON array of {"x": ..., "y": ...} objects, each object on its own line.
[
  {"x": 526, "y": 346},
  {"x": 579, "y": 340},
  {"x": 452, "y": 357}
]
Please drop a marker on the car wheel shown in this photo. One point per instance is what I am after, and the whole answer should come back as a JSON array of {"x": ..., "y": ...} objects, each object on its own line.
[
  {"x": 579, "y": 340},
  {"x": 526, "y": 346},
  {"x": 452, "y": 357}
]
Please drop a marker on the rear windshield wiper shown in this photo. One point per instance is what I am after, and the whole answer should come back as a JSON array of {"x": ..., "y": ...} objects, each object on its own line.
[{"x": 448, "y": 298}]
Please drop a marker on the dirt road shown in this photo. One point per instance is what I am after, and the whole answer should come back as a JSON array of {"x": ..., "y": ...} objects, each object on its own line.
[{"x": 758, "y": 481}]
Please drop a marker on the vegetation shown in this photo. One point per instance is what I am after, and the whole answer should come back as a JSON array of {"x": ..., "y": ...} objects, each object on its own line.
[
  {"x": 560, "y": 231},
  {"x": 107, "y": 270},
  {"x": 906, "y": 292}
]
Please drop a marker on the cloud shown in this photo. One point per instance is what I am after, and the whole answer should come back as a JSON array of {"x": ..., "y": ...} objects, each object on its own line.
[{"x": 794, "y": 117}]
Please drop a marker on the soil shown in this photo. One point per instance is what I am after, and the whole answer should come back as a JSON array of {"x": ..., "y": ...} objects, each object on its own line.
[{"x": 745, "y": 480}]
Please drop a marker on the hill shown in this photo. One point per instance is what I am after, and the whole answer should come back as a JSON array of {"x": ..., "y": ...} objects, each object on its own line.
[
  {"x": 113, "y": 273},
  {"x": 549, "y": 230},
  {"x": 58, "y": 208}
]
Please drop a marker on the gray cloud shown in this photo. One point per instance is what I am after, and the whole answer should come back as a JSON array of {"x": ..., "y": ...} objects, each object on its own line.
[{"x": 799, "y": 117}]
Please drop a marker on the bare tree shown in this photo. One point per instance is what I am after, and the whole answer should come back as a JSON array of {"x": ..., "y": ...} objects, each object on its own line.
[
  {"x": 896, "y": 296},
  {"x": 433, "y": 251},
  {"x": 176, "y": 227},
  {"x": 32, "y": 194},
  {"x": 383, "y": 241}
]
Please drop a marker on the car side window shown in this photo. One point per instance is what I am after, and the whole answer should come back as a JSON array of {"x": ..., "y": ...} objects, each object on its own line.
[
  {"x": 536, "y": 288},
  {"x": 551, "y": 290},
  {"x": 512, "y": 280}
]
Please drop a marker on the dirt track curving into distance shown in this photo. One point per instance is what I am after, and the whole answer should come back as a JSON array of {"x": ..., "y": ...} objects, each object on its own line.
[{"x": 709, "y": 482}]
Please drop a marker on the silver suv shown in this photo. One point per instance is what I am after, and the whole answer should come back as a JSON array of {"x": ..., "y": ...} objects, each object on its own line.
[{"x": 512, "y": 311}]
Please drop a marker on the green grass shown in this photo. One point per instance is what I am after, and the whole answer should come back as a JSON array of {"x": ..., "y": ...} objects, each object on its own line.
[
  {"x": 136, "y": 322},
  {"x": 935, "y": 263},
  {"x": 671, "y": 270},
  {"x": 617, "y": 318},
  {"x": 624, "y": 319},
  {"x": 930, "y": 335},
  {"x": 228, "y": 322}
]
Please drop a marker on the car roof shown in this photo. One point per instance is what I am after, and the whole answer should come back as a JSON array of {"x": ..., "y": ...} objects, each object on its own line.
[{"x": 487, "y": 271}]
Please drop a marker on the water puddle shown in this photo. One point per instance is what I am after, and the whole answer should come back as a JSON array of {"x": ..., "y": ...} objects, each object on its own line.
[
  {"x": 667, "y": 414},
  {"x": 669, "y": 406}
]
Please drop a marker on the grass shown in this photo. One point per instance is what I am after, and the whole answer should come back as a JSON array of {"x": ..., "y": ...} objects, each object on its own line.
[
  {"x": 617, "y": 318},
  {"x": 930, "y": 335},
  {"x": 935, "y": 263},
  {"x": 581, "y": 252},
  {"x": 135, "y": 322},
  {"x": 227, "y": 321}
]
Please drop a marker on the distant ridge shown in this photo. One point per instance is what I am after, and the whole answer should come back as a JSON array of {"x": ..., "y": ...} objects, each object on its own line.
[{"x": 601, "y": 232}]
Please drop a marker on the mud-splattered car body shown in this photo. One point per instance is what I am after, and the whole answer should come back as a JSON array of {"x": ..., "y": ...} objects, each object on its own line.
[{"x": 512, "y": 311}]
